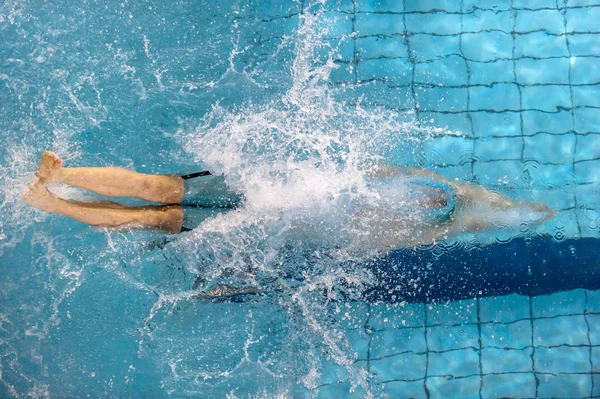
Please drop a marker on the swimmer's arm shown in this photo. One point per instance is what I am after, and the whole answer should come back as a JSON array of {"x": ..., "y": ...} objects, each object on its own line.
[
  {"x": 388, "y": 170},
  {"x": 425, "y": 172}
]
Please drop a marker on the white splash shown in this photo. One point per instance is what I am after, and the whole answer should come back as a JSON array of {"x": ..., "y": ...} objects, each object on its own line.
[{"x": 300, "y": 161}]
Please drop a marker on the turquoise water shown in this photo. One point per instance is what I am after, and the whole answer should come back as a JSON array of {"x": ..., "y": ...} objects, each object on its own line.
[{"x": 289, "y": 99}]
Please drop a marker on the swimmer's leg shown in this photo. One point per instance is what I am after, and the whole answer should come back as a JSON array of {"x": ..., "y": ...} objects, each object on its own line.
[
  {"x": 385, "y": 170},
  {"x": 107, "y": 214},
  {"x": 112, "y": 181}
]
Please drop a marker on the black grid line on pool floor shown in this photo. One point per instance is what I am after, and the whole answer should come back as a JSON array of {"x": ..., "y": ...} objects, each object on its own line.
[
  {"x": 469, "y": 117},
  {"x": 475, "y": 9},
  {"x": 514, "y": 63},
  {"x": 540, "y": 377},
  {"x": 480, "y": 349},
  {"x": 572, "y": 114},
  {"x": 354, "y": 38},
  {"x": 412, "y": 64},
  {"x": 587, "y": 322}
]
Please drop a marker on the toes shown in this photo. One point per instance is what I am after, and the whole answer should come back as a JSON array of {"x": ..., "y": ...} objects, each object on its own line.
[
  {"x": 49, "y": 158},
  {"x": 48, "y": 166},
  {"x": 55, "y": 159},
  {"x": 29, "y": 192}
]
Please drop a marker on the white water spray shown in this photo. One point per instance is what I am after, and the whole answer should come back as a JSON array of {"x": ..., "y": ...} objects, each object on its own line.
[{"x": 301, "y": 162}]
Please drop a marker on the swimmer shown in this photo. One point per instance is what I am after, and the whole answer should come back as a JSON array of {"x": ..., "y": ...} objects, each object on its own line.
[
  {"x": 441, "y": 209},
  {"x": 452, "y": 207}
]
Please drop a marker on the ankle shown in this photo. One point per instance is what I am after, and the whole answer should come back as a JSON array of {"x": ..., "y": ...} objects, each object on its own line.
[
  {"x": 59, "y": 176},
  {"x": 55, "y": 205}
]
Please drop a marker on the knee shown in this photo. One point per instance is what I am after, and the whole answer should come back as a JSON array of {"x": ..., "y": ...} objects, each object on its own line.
[
  {"x": 173, "y": 189},
  {"x": 171, "y": 219},
  {"x": 167, "y": 190}
]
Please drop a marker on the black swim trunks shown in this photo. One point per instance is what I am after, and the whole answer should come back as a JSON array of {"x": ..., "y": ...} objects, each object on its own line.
[{"x": 206, "y": 195}]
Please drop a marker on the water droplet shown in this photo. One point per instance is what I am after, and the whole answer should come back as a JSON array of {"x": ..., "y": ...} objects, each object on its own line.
[
  {"x": 559, "y": 235},
  {"x": 523, "y": 227}
]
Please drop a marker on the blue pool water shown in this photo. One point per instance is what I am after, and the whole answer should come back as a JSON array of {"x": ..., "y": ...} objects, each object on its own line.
[{"x": 289, "y": 99}]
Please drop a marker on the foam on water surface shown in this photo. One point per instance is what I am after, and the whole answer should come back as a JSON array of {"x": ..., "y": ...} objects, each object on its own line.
[{"x": 301, "y": 162}]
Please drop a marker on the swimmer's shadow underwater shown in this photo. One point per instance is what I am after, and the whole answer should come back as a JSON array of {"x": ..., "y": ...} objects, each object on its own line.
[{"x": 543, "y": 266}]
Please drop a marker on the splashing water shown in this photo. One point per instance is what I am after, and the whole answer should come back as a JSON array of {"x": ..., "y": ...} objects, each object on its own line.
[{"x": 301, "y": 162}]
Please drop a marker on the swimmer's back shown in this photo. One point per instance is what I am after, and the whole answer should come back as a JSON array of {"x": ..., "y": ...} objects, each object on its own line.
[{"x": 423, "y": 196}]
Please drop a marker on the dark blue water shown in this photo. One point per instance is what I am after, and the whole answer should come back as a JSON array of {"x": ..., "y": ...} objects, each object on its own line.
[{"x": 528, "y": 267}]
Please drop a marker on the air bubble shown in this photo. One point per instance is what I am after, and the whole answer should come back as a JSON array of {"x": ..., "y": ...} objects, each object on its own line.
[
  {"x": 524, "y": 227},
  {"x": 559, "y": 235},
  {"x": 437, "y": 251},
  {"x": 530, "y": 170}
]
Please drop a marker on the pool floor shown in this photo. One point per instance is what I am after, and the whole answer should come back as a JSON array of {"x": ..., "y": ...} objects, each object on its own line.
[{"x": 502, "y": 93}]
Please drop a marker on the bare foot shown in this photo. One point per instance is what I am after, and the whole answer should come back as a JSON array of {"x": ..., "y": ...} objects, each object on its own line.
[
  {"x": 48, "y": 168},
  {"x": 38, "y": 196}
]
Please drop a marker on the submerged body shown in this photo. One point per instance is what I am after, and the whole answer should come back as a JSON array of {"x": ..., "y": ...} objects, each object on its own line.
[
  {"x": 434, "y": 208},
  {"x": 398, "y": 208}
]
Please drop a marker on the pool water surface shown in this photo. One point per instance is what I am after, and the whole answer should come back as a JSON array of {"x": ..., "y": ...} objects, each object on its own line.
[{"x": 288, "y": 99}]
